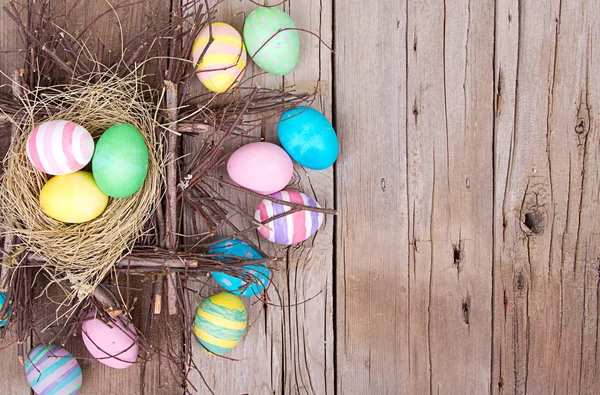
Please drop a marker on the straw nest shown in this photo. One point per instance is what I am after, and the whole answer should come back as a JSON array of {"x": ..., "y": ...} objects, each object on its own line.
[{"x": 79, "y": 256}]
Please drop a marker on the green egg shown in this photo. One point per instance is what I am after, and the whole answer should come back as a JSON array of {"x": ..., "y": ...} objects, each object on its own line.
[
  {"x": 120, "y": 162},
  {"x": 273, "y": 49}
]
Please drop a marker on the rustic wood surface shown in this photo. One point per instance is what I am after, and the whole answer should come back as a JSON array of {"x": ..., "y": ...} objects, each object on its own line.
[{"x": 465, "y": 257}]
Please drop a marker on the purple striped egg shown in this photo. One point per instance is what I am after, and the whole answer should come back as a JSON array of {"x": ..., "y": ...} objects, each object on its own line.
[
  {"x": 59, "y": 147},
  {"x": 292, "y": 228},
  {"x": 52, "y": 370}
]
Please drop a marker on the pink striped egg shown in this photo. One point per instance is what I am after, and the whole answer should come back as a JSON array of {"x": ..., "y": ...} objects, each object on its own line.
[
  {"x": 224, "y": 61},
  {"x": 59, "y": 147},
  {"x": 292, "y": 228}
]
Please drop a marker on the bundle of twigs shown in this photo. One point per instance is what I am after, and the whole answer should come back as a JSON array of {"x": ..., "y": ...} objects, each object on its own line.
[{"x": 142, "y": 236}]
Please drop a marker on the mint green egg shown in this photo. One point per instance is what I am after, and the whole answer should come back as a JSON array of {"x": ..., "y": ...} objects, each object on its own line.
[
  {"x": 280, "y": 54},
  {"x": 120, "y": 161}
]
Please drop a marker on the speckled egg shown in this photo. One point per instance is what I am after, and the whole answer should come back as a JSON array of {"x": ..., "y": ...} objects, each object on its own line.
[
  {"x": 120, "y": 163},
  {"x": 224, "y": 61},
  {"x": 59, "y": 147},
  {"x": 262, "y": 167},
  {"x": 308, "y": 137},
  {"x": 220, "y": 323},
  {"x": 114, "y": 345},
  {"x": 274, "y": 50},
  {"x": 292, "y": 228},
  {"x": 253, "y": 278},
  {"x": 52, "y": 370},
  {"x": 73, "y": 198}
]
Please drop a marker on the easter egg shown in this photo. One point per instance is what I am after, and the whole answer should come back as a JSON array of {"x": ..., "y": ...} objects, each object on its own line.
[
  {"x": 220, "y": 323},
  {"x": 113, "y": 344},
  {"x": 292, "y": 228},
  {"x": 59, "y": 147},
  {"x": 3, "y": 296},
  {"x": 308, "y": 137},
  {"x": 262, "y": 167},
  {"x": 274, "y": 50},
  {"x": 73, "y": 198},
  {"x": 120, "y": 163},
  {"x": 253, "y": 278},
  {"x": 52, "y": 370},
  {"x": 224, "y": 61}
]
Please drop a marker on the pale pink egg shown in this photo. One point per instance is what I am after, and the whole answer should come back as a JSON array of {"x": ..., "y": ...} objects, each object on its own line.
[
  {"x": 59, "y": 147},
  {"x": 262, "y": 167},
  {"x": 115, "y": 345}
]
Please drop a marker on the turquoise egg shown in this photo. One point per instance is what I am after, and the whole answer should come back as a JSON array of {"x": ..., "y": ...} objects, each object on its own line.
[
  {"x": 2, "y": 301},
  {"x": 52, "y": 370},
  {"x": 273, "y": 49},
  {"x": 259, "y": 273},
  {"x": 308, "y": 138}
]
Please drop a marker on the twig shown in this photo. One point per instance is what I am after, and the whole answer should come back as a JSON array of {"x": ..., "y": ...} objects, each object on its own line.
[
  {"x": 275, "y": 200},
  {"x": 171, "y": 217}
]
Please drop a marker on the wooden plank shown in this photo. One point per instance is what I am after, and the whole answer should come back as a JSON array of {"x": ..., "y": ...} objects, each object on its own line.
[
  {"x": 288, "y": 349},
  {"x": 307, "y": 291},
  {"x": 157, "y": 376},
  {"x": 11, "y": 368},
  {"x": 414, "y": 295},
  {"x": 255, "y": 362},
  {"x": 372, "y": 305},
  {"x": 546, "y": 228}
]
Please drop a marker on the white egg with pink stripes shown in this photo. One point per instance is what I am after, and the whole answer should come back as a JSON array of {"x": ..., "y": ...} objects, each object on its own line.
[
  {"x": 292, "y": 228},
  {"x": 59, "y": 147}
]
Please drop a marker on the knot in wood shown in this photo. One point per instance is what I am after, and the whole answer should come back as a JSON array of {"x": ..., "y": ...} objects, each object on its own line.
[{"x": 580, "y": 127}]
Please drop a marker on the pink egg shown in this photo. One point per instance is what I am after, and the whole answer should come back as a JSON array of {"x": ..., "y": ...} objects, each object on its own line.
[
  {"x": 112, "y": 345},
  {"x": 59, "y": 147},
  {"x": 262, "y": 167}
]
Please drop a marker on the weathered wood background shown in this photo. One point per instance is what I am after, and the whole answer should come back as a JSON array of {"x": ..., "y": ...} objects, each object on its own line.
[{"x": 466, "y": 257}]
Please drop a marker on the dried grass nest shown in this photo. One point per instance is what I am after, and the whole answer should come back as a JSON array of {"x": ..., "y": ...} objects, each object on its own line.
[{"x": 79, "y": 256}]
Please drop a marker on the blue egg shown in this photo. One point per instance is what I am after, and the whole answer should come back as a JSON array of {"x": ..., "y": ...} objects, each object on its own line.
[
  {"x": 240, "y": 286},
  {"x": 2, "y": 301},
  {"x": 308, "y": 138}
]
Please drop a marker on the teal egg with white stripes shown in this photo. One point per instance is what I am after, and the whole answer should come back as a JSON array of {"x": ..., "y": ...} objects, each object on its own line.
[
  {"x": 2, "y": 301},
  {"x": 52, "y": 370},
  {"x": 220, "y": 323}
]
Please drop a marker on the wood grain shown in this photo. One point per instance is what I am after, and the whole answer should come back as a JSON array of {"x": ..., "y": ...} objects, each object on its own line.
[
  {"x": 10, "y": 41},
  {"x": 12, "y": 370},
  {"x": 546, "y": 198},
  {"x": 308, "y": 289},
  {"x": 414, "y": 188}
]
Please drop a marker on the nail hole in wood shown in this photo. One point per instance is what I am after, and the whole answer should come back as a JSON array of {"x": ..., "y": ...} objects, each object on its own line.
[
  {"x": 520, "y": 282},
  {"x": 466, "y": 307},
  {"x": 457, "y": 254},
  {"x": 535, "y": 222}
]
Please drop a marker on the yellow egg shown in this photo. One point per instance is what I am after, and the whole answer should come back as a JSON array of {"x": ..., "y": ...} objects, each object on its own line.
[{"x": 73, "y": 198}]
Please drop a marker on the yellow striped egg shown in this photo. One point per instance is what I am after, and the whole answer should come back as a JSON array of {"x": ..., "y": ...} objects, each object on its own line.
[
  {"x": 220, "y": 323},
  {"x": 224, "y": 62}
]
